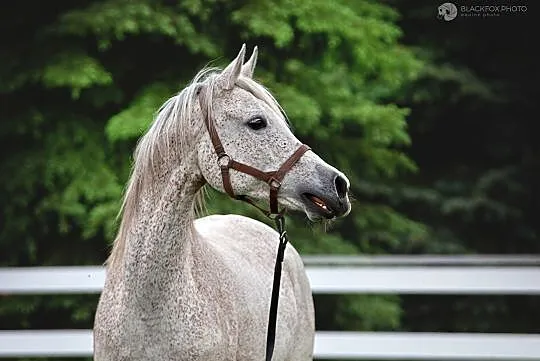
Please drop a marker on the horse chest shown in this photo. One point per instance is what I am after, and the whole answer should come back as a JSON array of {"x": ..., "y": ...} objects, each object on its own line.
[
  {"x": 191, "y": 323},
  {"x": 196, "y": 323}
]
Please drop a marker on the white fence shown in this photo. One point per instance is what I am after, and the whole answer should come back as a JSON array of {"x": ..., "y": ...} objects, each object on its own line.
[{"x": 328, "y": 275}]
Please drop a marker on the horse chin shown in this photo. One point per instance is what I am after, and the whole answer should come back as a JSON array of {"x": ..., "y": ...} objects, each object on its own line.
[
  {"x": 312, "y": 213},
  {"x": 318, "y": 215},
  {"x": 317, "y": 218}
]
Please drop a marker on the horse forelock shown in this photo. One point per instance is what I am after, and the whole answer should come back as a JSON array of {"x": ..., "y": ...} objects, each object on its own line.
[{"x": 169, "y": 135}]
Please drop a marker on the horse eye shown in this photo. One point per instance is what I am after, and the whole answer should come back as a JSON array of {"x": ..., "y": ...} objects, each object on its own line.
[{"x": 257, "y": 123}]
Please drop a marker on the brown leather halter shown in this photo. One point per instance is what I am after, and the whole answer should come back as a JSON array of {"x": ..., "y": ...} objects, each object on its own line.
[{"x": 272, "y": 178}]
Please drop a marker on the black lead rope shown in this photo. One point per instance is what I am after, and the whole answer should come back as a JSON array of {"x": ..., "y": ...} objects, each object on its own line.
[{"x": 271, "y": 334}]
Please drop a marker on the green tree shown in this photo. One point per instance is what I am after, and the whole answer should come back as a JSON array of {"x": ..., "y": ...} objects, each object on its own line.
[{"x": 80, "y": 82}]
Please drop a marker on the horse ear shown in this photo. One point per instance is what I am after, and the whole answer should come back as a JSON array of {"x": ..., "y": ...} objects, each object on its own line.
[
  {"x": 249, "y": 67},
  {"x": 228, "y": 76}
]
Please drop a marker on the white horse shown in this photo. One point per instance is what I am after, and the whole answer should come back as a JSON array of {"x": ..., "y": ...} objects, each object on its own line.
[{"x": 180, "y": 288}]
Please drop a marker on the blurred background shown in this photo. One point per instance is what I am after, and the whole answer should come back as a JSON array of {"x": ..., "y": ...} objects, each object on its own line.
[{"x": 432, "y": 121}]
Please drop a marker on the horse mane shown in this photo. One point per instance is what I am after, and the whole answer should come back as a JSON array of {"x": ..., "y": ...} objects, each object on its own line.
[{"x": 168, "y": 136}]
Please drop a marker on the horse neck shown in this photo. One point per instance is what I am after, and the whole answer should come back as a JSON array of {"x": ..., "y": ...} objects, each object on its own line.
[{"x": 162, "y": 234}]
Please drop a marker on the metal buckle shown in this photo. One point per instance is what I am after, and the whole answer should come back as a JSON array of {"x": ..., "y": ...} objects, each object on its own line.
[
  {"x": 224, "y": 160},
  {"x": 274, "y": 183},
  {"x": 273, "y": 216}
]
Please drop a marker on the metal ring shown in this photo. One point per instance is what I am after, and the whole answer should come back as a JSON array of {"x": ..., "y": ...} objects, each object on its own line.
[
  {"x": 224, "y": 157},
  {"x": 274, "y": 183}
]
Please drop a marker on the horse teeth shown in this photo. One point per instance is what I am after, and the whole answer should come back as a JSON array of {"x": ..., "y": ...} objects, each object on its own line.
[{"x": 319, "y": 203}]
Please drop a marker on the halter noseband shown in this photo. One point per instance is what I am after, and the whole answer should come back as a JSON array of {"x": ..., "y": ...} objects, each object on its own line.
[{"x": 225, "y": 162}]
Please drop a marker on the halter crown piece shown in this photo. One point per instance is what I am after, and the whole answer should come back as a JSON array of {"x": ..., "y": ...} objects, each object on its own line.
[{"x": 273, "y": 179}]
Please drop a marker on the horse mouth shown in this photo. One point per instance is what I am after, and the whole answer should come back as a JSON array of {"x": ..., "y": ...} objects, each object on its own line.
[{"x": 319, "y": 205}]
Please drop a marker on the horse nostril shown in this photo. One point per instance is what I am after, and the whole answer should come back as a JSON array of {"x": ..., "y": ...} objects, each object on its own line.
[{"x": 341, "y": 186}]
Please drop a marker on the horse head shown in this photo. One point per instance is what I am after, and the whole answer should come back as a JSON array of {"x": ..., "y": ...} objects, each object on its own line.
[{"x": 253, "y": 131}]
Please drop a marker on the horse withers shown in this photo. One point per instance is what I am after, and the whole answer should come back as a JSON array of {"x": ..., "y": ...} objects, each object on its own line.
[{"x": 181, "y": 288}]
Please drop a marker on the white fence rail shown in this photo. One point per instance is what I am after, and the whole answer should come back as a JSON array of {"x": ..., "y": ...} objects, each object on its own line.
[
  {"x": 328, "y": 344},
  {"x": 328, "y": 275},
  {"x": 323, "y": 279}
]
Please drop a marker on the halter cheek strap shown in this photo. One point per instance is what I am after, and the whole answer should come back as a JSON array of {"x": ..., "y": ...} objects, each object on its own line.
[{"x": 272, "y": 178}]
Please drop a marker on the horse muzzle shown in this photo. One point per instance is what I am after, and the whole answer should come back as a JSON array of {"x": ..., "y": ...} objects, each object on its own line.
[{"x": 328, "y": 201}]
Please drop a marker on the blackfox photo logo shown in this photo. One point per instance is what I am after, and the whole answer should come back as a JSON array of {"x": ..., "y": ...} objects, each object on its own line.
[
  {"x": 447, "y": 11},
  {"x": 450, "y": 11}
]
